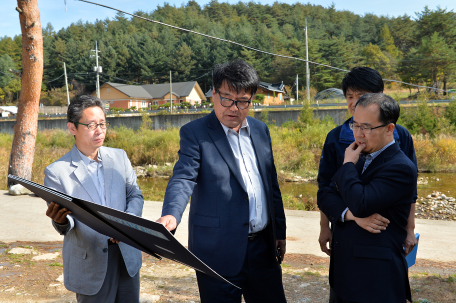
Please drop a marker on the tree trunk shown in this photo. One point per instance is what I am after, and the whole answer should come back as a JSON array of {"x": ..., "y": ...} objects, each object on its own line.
[
  {"x": 25, "y": 129},
  {"x": 444, "y": 86}
]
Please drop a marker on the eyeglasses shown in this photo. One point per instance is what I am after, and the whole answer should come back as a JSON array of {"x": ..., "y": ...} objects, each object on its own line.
[
  {"x": 228, "y": 102},
  {"x": 93, "y": 125},
  {"x": 365, "y": 130}
]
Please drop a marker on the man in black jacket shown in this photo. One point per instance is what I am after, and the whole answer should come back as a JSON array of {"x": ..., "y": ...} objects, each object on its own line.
[{"x": 369, "y": 265}]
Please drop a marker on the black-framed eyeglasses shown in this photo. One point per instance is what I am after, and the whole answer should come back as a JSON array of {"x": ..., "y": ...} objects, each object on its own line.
[
  {"x": 239, "y": 104},
  {"x": 364, "y": 129},
  {"x": 93, "y": 125}
]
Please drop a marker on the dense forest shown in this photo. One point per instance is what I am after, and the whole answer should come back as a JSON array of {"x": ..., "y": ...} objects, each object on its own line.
[{"x": 417, "y": 49}]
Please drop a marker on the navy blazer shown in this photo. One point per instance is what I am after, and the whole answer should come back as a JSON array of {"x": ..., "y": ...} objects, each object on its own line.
[
  {"x": 219, "y": 208},
  {"x": 338, "y": 139},
  {"x": 367, "y": 267}
]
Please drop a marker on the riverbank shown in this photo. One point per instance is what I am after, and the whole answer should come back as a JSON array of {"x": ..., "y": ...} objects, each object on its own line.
[{"x": 296, "y": 147}]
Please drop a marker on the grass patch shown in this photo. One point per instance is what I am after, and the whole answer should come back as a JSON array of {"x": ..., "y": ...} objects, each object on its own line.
[
  {"x": 148, "y": 277},
  {"x": 56, "y": 264},
  {"x": 311, "y": 273}
]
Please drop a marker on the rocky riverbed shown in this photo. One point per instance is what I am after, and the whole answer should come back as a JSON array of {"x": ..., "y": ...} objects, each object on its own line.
[{"x": 436, "y": 206}]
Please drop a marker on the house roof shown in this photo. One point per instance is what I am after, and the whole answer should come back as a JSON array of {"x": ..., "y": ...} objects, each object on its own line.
[
  {"x": 11, "y": 109},
  {"x": 180, "y": 89},
  {"x": 277, "y": 87},
  {"x": 134, "y": 91},
  {"x": 154, "y": 91}
]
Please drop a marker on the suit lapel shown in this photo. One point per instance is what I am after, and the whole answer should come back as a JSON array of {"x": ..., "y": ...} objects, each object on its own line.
[
  {"x": 220, "y": 140},
  {"x": 107, "y": 174},
  {"x": 83, "y": 176},
  {"x": 383, "y": 157}
]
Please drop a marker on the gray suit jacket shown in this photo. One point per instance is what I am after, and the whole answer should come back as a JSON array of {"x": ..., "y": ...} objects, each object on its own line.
[{"x": 85, "y": 257}]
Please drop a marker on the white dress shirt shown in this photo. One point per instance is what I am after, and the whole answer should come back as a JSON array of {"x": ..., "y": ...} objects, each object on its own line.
[{"x": 243, "y": 151}]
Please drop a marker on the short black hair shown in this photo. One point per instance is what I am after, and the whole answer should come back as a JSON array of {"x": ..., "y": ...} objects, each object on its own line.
[
  {"x": 363, "y": 78},
  {"x": 77, "y": 106},
  {"x": 389, "y": 109},
  {"x": 238, "y": 74}
]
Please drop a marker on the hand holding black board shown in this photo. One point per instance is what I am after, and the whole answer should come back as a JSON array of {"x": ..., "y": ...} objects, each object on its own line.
[{"x": 148, "y": 236}]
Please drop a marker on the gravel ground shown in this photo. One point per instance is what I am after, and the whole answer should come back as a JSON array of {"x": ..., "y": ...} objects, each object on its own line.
[
  {"x": 305, "y": 278},
  {"x": 436, "y": 206}
]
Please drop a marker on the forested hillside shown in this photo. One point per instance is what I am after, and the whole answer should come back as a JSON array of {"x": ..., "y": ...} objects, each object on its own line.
[{"x": 418, "y": 49}]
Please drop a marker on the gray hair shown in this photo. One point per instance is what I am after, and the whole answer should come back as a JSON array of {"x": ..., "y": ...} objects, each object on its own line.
[{"x": 77, "y": 106}]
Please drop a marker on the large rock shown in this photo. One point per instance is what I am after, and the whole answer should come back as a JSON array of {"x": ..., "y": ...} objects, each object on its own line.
[
  {"x": 146, "y": 298},
  {"x": 22, "y": 251},
  {"x": 50, "y": 256},
  {"x": 18, "y": 189}
]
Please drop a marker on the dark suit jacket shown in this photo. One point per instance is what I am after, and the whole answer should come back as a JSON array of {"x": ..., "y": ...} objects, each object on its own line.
[
  {"x": 219, "y": 208},
  {"x": 367, "y": 267}
]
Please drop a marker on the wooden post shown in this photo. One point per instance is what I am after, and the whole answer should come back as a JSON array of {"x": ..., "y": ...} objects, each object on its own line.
[{"x": 23, "y": 148}]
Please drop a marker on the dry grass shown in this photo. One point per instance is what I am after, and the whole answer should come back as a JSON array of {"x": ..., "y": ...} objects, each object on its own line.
[
  {"x": 297, "y": 149},
  {"x": 436, "y": 154}
]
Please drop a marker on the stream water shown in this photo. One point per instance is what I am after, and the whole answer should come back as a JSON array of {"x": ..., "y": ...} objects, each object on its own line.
[{"x": 442, "y": 182}]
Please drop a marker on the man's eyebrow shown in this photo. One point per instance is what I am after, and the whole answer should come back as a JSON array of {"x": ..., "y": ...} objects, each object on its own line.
[{"x": 365, "y": 124}]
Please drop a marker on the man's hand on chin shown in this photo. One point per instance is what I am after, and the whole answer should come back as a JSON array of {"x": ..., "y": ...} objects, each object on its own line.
[{"x": 353, "y": 151}]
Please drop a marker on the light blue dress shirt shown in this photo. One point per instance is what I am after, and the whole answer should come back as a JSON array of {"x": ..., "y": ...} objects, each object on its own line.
[
  {"x": 243, "y": 151},
  {"x": 95, "y": 170},
  {"x": 368, "y": 160}
]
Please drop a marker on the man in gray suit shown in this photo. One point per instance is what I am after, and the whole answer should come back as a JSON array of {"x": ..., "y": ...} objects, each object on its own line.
[{"x": 96, "y": 268}]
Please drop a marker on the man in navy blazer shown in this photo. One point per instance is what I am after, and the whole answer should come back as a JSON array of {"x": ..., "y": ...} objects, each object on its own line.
[
  {"x": 369, "y": 265},
  {"x": 236, "y": 219}
]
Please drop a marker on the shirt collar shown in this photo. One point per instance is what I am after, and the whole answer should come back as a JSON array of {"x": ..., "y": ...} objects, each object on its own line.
[
  {"x": 373, "y": 155},
  {"x": 244, "y": 124},
  {"x": 87, "y": 160}
]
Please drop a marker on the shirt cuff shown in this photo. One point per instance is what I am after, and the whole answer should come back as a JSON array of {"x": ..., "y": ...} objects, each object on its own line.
[{"x": 342, "y": 218}]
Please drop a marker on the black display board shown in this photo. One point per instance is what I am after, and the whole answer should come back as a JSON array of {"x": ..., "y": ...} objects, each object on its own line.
[{"x": 148, "y": 236}]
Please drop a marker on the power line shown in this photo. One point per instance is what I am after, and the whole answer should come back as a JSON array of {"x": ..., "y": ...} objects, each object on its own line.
[
  {"x": 242, "y": 45},
  {"x": 7, "y": 74},
  {"x": 120, "y": 79}
]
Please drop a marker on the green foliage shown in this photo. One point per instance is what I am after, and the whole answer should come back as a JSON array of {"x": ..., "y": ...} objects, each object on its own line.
[
  {"x": 145, "y": 52},
  {"x": 116, "y": 109},
  {"x": 259, "y": 98},
  {"x": 419, "y": 119},
  {"x": 450, "y": 112},
  {"x": 185, "y": 104},
  {"x": 307, "y": 114}
]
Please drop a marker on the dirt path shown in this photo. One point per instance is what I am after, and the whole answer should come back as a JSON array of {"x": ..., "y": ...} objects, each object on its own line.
[{"x": 305, "y": 278}]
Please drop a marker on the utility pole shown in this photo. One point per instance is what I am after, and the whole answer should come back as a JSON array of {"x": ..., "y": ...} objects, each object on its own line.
[
  {"x": 297, "y": 88},
  {"x": 97, "y": 69},
  {"x": 307, "y": 68},
  {"x": 66, "y": 83},
  {"x": 170, "y": 92}
]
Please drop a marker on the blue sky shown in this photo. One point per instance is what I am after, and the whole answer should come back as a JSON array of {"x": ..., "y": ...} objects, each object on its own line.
[{"x": 53, "y": 11}]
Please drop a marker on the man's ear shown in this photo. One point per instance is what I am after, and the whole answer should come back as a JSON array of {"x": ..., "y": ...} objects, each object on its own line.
[
  {"x": 71, "y": 128},
  {"x": 390, "y": 127}
]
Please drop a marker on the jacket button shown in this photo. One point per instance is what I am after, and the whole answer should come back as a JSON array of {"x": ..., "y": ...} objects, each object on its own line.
[
  {"x": 246, "y": 198},
  {"x": 105, "y": 250},
  {"x": 246, "y": 224}
]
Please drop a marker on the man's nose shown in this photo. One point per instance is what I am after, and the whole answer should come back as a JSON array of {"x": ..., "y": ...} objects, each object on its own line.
[{"x": 234, "y": 107}]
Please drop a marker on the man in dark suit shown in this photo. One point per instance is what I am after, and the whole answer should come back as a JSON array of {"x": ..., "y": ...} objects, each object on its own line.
[
  {"x": 369, "y": 265},
  {"x": 237, "y": 220}
]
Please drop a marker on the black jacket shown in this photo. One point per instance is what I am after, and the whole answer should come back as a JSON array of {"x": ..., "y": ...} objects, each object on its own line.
[{"x": 367, "y": 267}]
